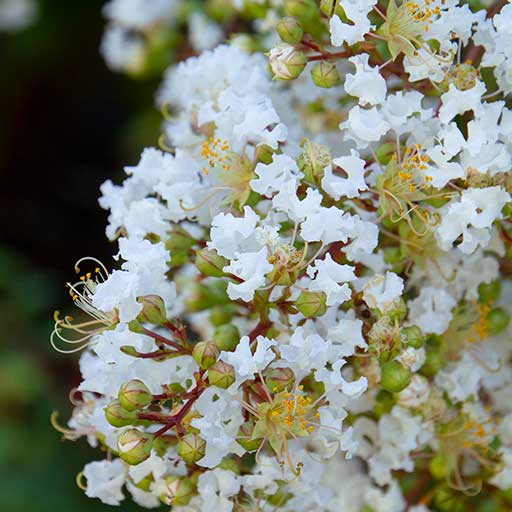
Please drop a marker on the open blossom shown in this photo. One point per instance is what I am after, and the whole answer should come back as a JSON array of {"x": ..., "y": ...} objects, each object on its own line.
[{"x": 309, "y": 308}]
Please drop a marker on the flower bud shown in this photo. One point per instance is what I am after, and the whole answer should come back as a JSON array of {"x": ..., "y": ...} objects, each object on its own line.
[
  {"x": 397, "y": 310},
  {"x": 392, "y": 255},
  {"x": 191, "y": 448},
  {"x": 279, "y": 379},
  {"x": 179, "y": 240},
  {"x": 325, "y": 74},
  {"x": 303, "y": 10},
  {"x": 384, "y": 403},
  {"x": 438, "y": 466},
  {"x": 245, "y": 439},
  {"x": 204, "y": 296},
  {"x": 435, "y": 360},
  {"x": 226, "y": 337},
  {"x": 221, "y": 375},
  {"x": 290, "y": 30},
  {"x": 176, "y": 490},
  {"x": 209, "y": 263},
  {"x": 134, "y": 395},
  {"x": 311, "y": 304},
  {"x": 489, "y": 292},
  {"x": 497, "y": 320},
  {"x": 447, "y": 500},
  {"x": 331, "y": 7},
  {"x": 153, "y": 310},
  {"x": 117, "y": 416},
  {"x": 134, "y": 446},
  {"x": 221, "y": 315},
  {"x": 413, "y": 336},
  {"x": 287, "y": 62},
  {"x": 394, "y": 376},
  {"x": 205, "y": 354}
]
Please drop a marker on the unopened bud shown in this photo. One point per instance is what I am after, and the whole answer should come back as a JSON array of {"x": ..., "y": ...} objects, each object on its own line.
[
  {"x": 397, "y": 310},
  {"x": 489, "y": 292},
  {"x": 191, "y": 448},
  {"x": 392, "y": 255},
  {"x": 153, "y": 310},
  {"x": 134, "y": 395},
  {"x": 331, "y": 7},
  {"x": 438, "y": 466},
  {"x": 303, "y": 10},
  {"x": 221, "y": 375},
  {"x": 435, "y": 360},
  {"x": 245, "y": 437},
  {"x": 118, "y": 416},
  {"x": 325, "y": 74},
  {"x": 497, "y": 320},
  {"x": 209, "y": 263},
  {"x": 290, "y": 30},
  {"x": 226, "y": 337},
  {"x": 279, "y": 379},
  {"x": 394, "y": 376},
  {"x": 287, "y": 62},
  {"x": 205, "y": 354},
  {"x": 204, "y": 296},
  {"x": 176, "y": 490},
  {"x": 413, "y": 336},
  {"x": 179, "y": 240},
  {"x": 134, "y": 446},
  {"x": 311, "y": 304},
  {"x": 220, "y": 315}
]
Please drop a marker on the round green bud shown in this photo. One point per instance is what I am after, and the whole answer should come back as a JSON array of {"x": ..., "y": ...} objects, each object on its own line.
[
  {"x": 245, "y": 439},
  {"x": 506, "y": 211},
  {"x": 153, "y": 310},
  {"x": 286, "y": 62},
  {"x": 385, "y": 402},
  {"x": 398, "y": 310},
  {"x": 279, "y": 379},
  {"x": 134, "y": 446},
  {"x": 117, "y": 416},
  {"x": 205, "y": 354},
  {"x": 435, "y": 361},
  {"x": 191, "y": 448},
  {"x": 177, "y": 490},
  {"x": 489, "y": 292},
  {"x": 134, "y": 395},
  {"x": 204, "y": 296},
  {"x": 325, "y": 74},
  {"x": 221, "y": 375},
  {"x": 303, "y": 10},
  {"x": 209, "y": 263},
  {"x": 438, "y": 467},
  {"x": 226, "y": 337},
  {"x": 446, "y": 500},
  {"x": 220, "y": 315},
  {"x": 413, "y": 336},
  {"x": 290, "y": 30},
  {"x": 498, "y": 320},
  {"x": 179, "y": 240},
  {"x": 311, "y": 304},
  {"x": 264, "y": 154},
  {"x": 394, "y": 376}
]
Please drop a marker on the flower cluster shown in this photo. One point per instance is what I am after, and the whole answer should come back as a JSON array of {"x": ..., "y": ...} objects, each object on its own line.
[{"x": 311, "y": 307}]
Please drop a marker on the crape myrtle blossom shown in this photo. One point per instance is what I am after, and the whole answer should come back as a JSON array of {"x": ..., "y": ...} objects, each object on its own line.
[{"x": 309, "y": 305}]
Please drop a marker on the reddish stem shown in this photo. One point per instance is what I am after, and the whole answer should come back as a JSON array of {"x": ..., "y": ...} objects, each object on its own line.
[
  {"x": 166, "y": 341},
  {"x": 261, "y": 328}
]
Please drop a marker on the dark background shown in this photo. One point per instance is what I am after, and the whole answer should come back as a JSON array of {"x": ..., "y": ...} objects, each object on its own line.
[{"x": 67, "y": 123}]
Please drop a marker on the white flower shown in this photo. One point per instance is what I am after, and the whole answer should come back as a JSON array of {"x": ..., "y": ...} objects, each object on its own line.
[
  {"x": 104, "y": 480},
  {"x": 381, "y": 291},
  {"x": 472, "y": 218},
  {"x": 272, "y": 177},
  {"x": 357, "y": 12},
  {"x": 230, "y": 234},
  {"x": 216, "y": 487},
  {"x": 367, "y": 84},
  {"x": 251, "y": 267},
  {"x": 455, "y": 101},
  {"x": 431, "y": 311},
  {"x": 245, "y": 363},
  {"x": 326, "y": 275},
  {"x": 364, "y": 126},
  {"x": 354, "y": 168}
]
